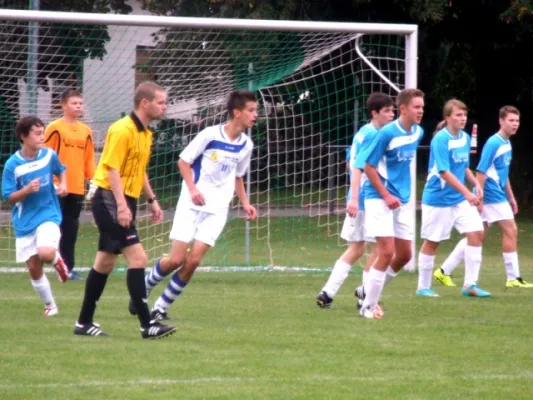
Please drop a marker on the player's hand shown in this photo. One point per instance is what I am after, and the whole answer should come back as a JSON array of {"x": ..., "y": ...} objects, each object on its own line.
[
  {"x": 392, "y": 202},
  {"x": 479, "y": 192},
  {"x": 34, "y": 185},
  {"x": 514, "y": 206},
  {"x": 473, "y": 199},
  {"x": 61, "y": 190},
  {"x": 197, "y": 197},
  {"x": 124, "y": 217},
  {"x": 352, "y": 208},
  {"x": 156, "y": 212},
  {"x": 251, "y": 212}
]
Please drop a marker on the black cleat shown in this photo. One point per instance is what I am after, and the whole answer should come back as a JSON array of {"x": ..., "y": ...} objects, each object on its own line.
[
  {"x": 88, "y": 330},
  {"x": 131, "y": 308},
  {"x": 159, "y": 314},
  {"x": 323, "y": 300},
  {"x": 157, "y": 331}
]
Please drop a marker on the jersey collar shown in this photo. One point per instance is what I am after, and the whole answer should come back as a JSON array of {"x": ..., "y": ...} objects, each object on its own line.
[{"x": 138, "y": 124}]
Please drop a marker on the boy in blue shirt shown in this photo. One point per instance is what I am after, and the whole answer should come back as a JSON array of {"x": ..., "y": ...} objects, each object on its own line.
[
  {"x": 447, "y": 203},
  {"x": 380, "y": 108},
  {"x": 388, "y": 216},
  {"x": 499, "y": 204},
  {"x": 28, "y": 186}
]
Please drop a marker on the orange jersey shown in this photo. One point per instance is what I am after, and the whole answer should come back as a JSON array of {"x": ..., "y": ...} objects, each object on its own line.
[{"x": 73, "y": 143}]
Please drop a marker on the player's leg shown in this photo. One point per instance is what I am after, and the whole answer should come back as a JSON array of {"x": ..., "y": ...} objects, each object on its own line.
[
  {"x": 41, "y": 285},
  {"x": 339, "y": 273},
  {"x": 469, "y": 222},
  {"x": 353, "y": 232},
  {"x": 136, "y": 258},
  {"x": 181, "y": 234},
  {"x": 47, "y": 239},
  {"x": 71, "y": 206},
  {"x": 436, "y": 226},
  {"x": 208, "y": 228},
  {"x": 443, "y": 274},
  {"x": 370, "y": 258},
  {"x": 379, "y": 223}
]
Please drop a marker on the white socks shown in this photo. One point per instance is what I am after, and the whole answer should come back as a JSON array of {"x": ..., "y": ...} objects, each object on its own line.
[
  {"x": 510, "y": 260},
  {"x": 472, "y": 265},
  {"x": 336, "y": 278},
  {"x": 42, "y": 287},
  {"x": 373, "y": 288},
  {"x": 390, "y": 275},
  {"x": 425, "y": 270},
  {"x": 455, "y": 257}
]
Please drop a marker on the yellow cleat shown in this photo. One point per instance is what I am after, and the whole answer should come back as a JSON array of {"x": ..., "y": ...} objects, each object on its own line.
[
  {"x": 446, "y": 280},
  {"x": 518, "y": 283}
]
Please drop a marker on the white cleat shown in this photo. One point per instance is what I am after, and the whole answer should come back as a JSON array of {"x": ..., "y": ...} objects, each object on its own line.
[{"x": 51, "y": 310}]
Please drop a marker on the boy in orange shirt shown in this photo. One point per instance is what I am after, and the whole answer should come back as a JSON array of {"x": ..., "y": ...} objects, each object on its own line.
[{"x": 72, "y": 141}]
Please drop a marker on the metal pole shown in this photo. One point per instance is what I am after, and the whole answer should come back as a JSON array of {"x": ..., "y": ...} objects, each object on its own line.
[
  {"x": 248, "y": 181},
  {"x": 33, "y": 60},
  {"x": 411, "y": 63}
]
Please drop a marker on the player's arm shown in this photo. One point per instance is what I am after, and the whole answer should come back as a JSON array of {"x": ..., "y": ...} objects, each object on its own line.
[
  {"x": 59, "y": 170},
  {"x": 89, "y": 165},
  {"x": 441, "y": 155},
  {"x": 10, "y": 193},
  {"x": 510, "y": 197},
  {"x": 240, "y": 191},
  {"x": 157, "y": 213},
  {"x": 188, "y": 156},
  {"x": 376, "y": 152}
]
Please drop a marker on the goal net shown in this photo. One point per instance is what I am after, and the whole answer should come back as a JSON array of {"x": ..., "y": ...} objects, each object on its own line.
[{"x": 311, "y": 79}]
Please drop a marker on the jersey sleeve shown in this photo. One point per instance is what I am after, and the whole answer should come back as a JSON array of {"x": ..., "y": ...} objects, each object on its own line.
[
  {"x": 89, "y": 163},
  {"x": 487, "y": 156},
  {"x": 196, "y": 147},
  {"x": 441, "y": 153},
  {"x": 378, "y": 148},
  {"x": 244, "y": 164},
  {"x": 9, "y": 183},
  {"x": 57, "y": 167},
  {"x": 117, "y": 148},
  {"x": 362, "y": 154},
  {"x": 52, "y": 137}
]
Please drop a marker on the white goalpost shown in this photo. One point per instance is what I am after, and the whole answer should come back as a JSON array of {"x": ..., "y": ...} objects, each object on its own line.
[{"x": 311, "y": 79}]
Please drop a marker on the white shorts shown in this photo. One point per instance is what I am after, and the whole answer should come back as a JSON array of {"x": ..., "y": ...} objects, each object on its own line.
[
  {"x": 438, "y": 222},
  {"x": 46, "y": 235},
  {"x": 497, "y": 212},
  {"x": 189, "y": 225},
  {"x": 353, "y": 229},
  {"x": 381, "y": 221}
]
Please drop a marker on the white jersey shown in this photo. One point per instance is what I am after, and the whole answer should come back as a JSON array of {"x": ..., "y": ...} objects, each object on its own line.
[{"x": 216, "y": 161}]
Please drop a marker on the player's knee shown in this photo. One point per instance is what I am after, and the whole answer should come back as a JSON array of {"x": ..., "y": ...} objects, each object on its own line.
[
  {"x": 511, "y": 232},
  {"x": 175, "y": 261},
  {"x": 46, "y": 254},
  {"x": 475, "y": 238}
]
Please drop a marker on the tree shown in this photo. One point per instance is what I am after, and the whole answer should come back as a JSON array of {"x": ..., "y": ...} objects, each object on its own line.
[{"x": 62, "y": 47}]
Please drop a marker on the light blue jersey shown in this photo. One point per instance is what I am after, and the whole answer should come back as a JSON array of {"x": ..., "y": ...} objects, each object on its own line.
[
  {"x": 361, "y": 140},
  {"x": 495, "y": 159},
  {"x": 391, "y": 154},
  {"x": 41, "y": 206},
  {"x": 448, "y": 153}
]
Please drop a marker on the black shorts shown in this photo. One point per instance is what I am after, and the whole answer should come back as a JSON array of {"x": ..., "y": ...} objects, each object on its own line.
[{"x": 113, "y": 237}]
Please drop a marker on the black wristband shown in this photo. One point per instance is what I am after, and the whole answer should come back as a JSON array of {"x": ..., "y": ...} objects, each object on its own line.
[{"x": 151, "y": 200}]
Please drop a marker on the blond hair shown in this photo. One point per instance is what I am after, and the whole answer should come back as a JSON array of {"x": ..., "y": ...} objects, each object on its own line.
[{"x": 448, "y": 109}]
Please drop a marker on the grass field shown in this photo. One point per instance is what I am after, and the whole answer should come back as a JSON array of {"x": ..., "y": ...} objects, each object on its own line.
[{"x": 257, "y": 335}]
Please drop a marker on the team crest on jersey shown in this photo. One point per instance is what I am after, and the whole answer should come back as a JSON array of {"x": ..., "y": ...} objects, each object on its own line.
[{"x": 214, "y": 156}]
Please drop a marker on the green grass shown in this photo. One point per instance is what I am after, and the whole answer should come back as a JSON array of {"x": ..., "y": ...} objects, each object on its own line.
[{"x": 260, "y": 336}]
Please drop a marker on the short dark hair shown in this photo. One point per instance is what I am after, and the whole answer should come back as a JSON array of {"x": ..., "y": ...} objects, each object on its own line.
[
  {"x": 67, "y": 94},
  {"x": 146, "y": 90},
  {"x": 376, "y": 101},
  {"x": 25, "y": 124},
  {"x": 238, "y": 99}
]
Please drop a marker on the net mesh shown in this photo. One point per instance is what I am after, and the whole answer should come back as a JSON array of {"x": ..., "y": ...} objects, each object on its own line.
[{"x": 311, "y": 86}]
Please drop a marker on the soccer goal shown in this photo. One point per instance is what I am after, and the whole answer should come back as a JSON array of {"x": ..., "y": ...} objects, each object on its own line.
[{"x": 312, "y": 80}]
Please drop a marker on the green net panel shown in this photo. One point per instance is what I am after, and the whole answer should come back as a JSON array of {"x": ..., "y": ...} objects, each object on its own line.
[{"x": 312, "y": 88}]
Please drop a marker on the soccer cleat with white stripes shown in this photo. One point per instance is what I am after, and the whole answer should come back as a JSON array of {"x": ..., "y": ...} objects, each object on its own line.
[
  {"x": 88, "y": 330},
  {"x": 159, "y": 314},
  {"x": 157, "y": 331},
  {"x": 51, "y": 310}
]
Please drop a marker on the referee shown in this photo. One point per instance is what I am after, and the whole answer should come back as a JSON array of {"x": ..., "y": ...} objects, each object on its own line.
[{"x": 120, "y": 177}]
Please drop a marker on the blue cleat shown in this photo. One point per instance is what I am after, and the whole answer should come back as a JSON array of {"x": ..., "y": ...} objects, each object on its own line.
[
  {"x": 427, "y": 293},
  {"x": 74, "y": 276},
  {"x": 474, "y": 291}
]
